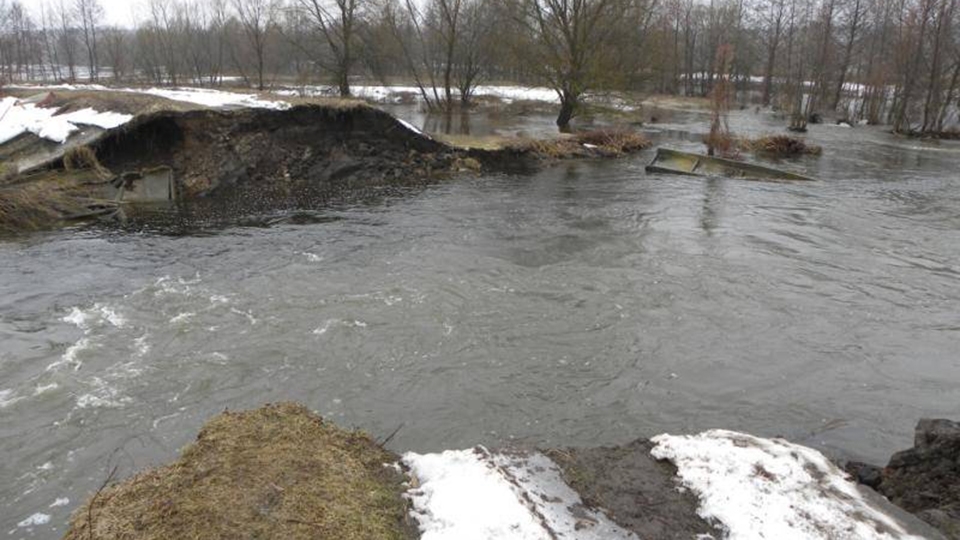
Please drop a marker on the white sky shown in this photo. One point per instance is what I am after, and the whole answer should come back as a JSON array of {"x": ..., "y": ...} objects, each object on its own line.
[{"x": 118, "y": 12}]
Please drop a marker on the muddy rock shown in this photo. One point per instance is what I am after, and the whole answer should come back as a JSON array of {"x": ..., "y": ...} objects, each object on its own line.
[
  {"x": 635, "y": 490},
  {"x": 925, "y": 479}
]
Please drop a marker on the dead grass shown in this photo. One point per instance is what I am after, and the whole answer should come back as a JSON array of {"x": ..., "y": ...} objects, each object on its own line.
[
  {"x": 619, "y": 141},
  {"x": 596, "y": 143},
  {"x": 779, "y": 146},
  {"x": 116, "y": 101},
  {"x": 83, "y": 158},
  {"x": 277, "y": 472},
  {"x": 36, "y": 206}
]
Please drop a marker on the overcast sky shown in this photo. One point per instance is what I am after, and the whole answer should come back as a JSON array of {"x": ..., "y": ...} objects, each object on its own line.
[{"x": 118, "y": 12}]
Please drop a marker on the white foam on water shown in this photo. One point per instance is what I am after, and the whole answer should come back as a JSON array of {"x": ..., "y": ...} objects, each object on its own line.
[
  {"x": 60, "y": 501},
  {"x": 182, "y": 317},
  {"x": 36, "y": 519},
  {"x": 102, "y": 395},
  {"x": 312, "y": 257},
  {"x": 70, "y": 356},
  {"x": 43, "y": 388},
  {"x": 771, "y": 488},
  {"x": 8, "y": 398},
  {"x": 321, "y": 330},
  {"x": 141, "y": 345}
]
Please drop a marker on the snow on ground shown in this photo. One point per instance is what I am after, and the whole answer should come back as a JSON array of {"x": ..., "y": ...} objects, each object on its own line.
[
  {"x": 207, "y": 97},
  {"x": 393, "y": 94},
  {"x": 478, "y": 495},
  {"x": 17, "y": 117},
  {"x": 210, "y": 98},
  {"x": 770, "y": 488}
]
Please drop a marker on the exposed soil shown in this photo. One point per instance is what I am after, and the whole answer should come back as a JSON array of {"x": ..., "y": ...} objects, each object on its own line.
[
  {"x": 636, "y": 491},
  {"x": 277, "y": 472},
  {"x": 275, "y": 150}
]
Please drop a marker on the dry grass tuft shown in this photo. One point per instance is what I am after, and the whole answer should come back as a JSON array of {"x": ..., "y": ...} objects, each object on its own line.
[
  {"x": 595, "y": 143},
  {"x": 35, "y": 206},
  {"x": 780, "y": 146},
  {"x": 81, "y": 158},
  {"x": 618, "y": 141},
  {"x": 277, "y": 472}
]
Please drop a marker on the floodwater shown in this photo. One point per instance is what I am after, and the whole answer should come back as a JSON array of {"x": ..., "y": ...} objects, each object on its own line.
[{"x": 587, "y": 304}]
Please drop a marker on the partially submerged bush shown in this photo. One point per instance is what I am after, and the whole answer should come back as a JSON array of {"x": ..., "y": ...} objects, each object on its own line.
[
  {"x": 595, "y": 143},
  {"x": 619, "y": 141},
  {"x": 277, "y": 472},
  {"x": 780, "y": 146}
]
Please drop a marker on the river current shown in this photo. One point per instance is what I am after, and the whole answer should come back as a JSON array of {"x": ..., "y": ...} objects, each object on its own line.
[{"x": 590, "y": 303}]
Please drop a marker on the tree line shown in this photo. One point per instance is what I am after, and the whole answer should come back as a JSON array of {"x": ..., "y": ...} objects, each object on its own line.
[{"x": 891, "y": 62}]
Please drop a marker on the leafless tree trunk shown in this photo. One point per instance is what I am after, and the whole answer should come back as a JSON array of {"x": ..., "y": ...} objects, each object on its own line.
[
  {"x": 256, "y": 17},
  {"x": 90, "y": 13}
]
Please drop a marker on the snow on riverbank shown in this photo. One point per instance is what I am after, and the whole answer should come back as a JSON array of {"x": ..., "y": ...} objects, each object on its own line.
[
  {"x": 17, "y": 117},
  {"x": 770, "y": 488},
  {"x": 394, "y": 94},
  {"x": 207, "y": 97},
  {"x": 750, "y": 487},
  {"x": 478, "y": 495}
]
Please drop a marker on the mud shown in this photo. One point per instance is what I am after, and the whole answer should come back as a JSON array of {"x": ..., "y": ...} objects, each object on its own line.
[{"x": 636, "y": 491}]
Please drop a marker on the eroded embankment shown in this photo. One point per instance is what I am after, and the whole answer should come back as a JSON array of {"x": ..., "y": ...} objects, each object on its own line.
[
  {"x": 210, "y": 150},
  {"x": 204, "y": 152},
  {"x": 259, "y": 153}
]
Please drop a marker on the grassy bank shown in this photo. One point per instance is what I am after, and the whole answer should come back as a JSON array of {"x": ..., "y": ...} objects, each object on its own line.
[{"x": 277, "y": 472}]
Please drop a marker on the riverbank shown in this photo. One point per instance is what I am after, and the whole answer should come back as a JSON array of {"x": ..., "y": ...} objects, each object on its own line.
[
  {"x": 281, "y": 471},
  {"x": 213, "y": 142}
]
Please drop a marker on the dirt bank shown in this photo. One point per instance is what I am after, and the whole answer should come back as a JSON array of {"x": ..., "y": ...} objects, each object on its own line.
[
  {"x": 275, "y": 472},
  {"x": 637, "y": 491}
]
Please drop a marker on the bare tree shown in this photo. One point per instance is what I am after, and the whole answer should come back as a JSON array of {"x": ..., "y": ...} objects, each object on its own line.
[
  {"x": 336, "y": 22},
  {"x": 855, "y": 17},
  {"x": 774, "y": 14},
  {"x": 569, "y": 40},
  {"x": 90, "y": 13},
  {"x": 256, "y": 18}
]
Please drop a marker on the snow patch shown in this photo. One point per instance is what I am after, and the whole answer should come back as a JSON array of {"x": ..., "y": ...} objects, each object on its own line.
[
  {"x": 476, "y": 495},
  {"x": 409, "y": 126},
  {"x": 17, "y": 118},
  {"x": 211, "y": 98},
  {"x": 770, "y": 488}
]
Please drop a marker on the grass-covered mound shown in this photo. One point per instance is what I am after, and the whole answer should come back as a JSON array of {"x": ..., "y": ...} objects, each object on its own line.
[
  {"x": 780, "y": 146},
  {"x": 277, "y": 472}
]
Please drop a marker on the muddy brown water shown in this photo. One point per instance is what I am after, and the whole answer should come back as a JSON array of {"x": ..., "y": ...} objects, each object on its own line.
[{"x": 587, "y": 304}]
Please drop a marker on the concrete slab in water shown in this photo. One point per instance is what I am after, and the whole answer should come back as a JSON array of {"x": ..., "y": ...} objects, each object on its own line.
[{"x": 151, "y": 185}]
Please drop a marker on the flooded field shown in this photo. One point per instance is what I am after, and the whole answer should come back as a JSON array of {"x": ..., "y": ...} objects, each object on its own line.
[{"x": 590, "y": 303}]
